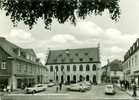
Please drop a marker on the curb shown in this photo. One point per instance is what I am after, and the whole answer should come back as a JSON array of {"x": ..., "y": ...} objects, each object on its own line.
[{"x": 125, "y": 91}]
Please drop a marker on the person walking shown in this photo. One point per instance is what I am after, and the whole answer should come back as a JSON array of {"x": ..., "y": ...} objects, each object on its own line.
[
  {"x": 9, "y": 89},
  {"x": 57, "y": 86},
  {"x": 134, "y": 89},
  {"x": 60, "y": 86}
]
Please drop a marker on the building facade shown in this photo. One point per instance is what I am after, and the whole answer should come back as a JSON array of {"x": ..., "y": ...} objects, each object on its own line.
[
  {"x": 131, "y": 63},
  {"x": 112, "y": 72},
  {"x": 74, "y": 65},
  {"x": 19, "y": 67}
]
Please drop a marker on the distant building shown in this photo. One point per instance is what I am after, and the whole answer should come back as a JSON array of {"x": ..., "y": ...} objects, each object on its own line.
[
  {"x": 19, "y": 67},
  {"x": 131, "y": 63},
  {"x": 73, "y": 65},
  {"x": 113, "y": 71}
]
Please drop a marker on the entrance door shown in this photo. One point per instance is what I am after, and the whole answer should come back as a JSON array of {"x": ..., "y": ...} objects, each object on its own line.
[
  {"x": 94, "y": 79},
  {"x": 81, "y": 78},
  {"x": 3, "y": 83},
  {"x": 74, "y": 78},
  {"x": 68, "y": 79},
  {"x": 62, "y": 79},
  {"x": 87, "y": 78}
]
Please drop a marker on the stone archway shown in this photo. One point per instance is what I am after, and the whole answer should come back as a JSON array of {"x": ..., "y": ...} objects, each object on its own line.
[
  {"x": 94, "y": 79},
  {"x": 87, "y": 77},
  {"x": 80, "y": 78},
  {"x": 62, "y": 79},
  {"x": 74, "y": 78},
  {"x": 68, "y": 79}
]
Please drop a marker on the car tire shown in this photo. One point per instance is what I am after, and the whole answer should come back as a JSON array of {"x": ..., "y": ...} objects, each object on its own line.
[{"x": 33, "y": 92}]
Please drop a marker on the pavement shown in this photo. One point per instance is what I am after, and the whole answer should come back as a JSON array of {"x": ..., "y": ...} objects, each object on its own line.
[
  {"x": 129, "y": 92},
  {"x": 96, "y": 92}
]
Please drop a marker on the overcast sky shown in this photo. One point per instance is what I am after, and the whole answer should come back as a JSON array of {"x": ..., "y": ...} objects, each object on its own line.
[{"x": 114, "y": 38}]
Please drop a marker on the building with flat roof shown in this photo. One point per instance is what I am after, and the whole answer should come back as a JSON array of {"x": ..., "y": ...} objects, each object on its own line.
[
  {"x": 19, "y": 67},
  {"x": 74, "y": 65}
]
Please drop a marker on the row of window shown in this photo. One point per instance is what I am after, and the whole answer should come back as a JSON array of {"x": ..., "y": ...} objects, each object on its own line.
[
  {"x": 88, "y": 68},
  {"x": 81, "y": 78},
  {"x": 77, "y": 54},
  {"x": 71, "y": 59},
  {"x": 132, "y": 61},
  {"x": 132, "y": 50},
  {"x": 21, "y": 67}
]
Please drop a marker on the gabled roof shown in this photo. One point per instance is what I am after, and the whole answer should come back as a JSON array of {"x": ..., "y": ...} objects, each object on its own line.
[
  {"x": 116, "y": 65},
  {"x": 9, "y": 48},
  {"x": 30, "y": 51},
  {"x": 81, "y": 55}
]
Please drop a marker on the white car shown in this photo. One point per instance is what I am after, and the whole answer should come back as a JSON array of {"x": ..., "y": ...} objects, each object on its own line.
[
  {"x": 78, "y": 87},
  {"x": 51, "y": 84},
  {"x": 74, "y": 87},
  {"x": 109, "y": 89},
  {"x": 36, "y": 88}
]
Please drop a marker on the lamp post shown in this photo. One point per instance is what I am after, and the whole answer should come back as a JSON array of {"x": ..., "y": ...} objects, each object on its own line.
[{"x": 107, "y": 70}]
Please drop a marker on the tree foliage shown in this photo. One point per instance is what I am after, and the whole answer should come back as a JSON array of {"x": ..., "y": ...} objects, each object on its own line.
[{"x": 29, "y": 11}]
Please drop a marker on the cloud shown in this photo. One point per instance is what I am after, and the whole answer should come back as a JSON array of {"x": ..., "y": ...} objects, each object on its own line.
[
  {"x": 64, "y": 38},
  {"x": 116, "y": 49},
  {"x": 113, "y": 43},
  {"x": 88, "y": 28},
  {"x": 19, "y": 36}
]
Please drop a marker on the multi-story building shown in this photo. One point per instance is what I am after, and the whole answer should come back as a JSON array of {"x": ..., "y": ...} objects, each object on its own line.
[
  {"x": 112, "y": 72},
  {"x": 131, "y": 63},
  {"x": 73, "y": 65},
  {"x": 19, "y": 67}
]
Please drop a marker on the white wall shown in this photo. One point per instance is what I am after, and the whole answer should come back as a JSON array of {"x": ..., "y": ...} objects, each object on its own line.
[{"x": 72, "y": 73}]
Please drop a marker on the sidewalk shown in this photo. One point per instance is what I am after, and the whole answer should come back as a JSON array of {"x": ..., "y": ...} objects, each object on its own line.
[
  {"x": 18, "y": 91},
  {"x": 129, "y": 92}
]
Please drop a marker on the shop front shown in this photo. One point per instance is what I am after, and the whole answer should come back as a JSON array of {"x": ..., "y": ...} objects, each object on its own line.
[
  {"x": 25, "y": 81},
  {"x": 4, "y": 80},
  {"x": 136, "y": 77}
]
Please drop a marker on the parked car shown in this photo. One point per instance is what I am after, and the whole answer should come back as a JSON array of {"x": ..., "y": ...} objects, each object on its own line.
[
  {"x": 109, "y": 89},
  {"x": 82, "y": 87},
  {"x": 36, "y": 88},
  {"x": 50, "y": 84}
]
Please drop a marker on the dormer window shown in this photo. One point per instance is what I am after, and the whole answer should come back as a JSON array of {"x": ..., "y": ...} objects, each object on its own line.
[
  {"x": 60, "y": 55},
  {"x": 17, "y": 51},
  {"x": 77, "y": 54},
  {"x": 68, "y": 54},
  {"x": 62, "y": 60},
  {"x": 81, "y": 59},
  {"x": 67, "y": 51},
  {"x": 23, "y": 54},
  {"x": 86, "y": 53},
  {"x": 91, "y": 59},
  {"x": 55, "y": 60},
  {"x": 71, "y": 60}
]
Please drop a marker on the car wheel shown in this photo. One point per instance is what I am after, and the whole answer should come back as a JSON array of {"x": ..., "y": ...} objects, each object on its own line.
[{"x": 33, "y": 92}]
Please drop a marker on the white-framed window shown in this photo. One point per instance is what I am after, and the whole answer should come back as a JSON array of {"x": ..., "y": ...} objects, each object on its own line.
[{"x": 3, "y": 65}]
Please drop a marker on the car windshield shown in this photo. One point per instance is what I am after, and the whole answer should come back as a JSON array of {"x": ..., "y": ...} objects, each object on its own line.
[{"x": 39, "y": 86}]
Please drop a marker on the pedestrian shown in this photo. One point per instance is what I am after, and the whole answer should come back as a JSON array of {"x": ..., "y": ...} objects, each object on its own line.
[
  {"x": 56, "y": 86},
  {"x": 9, "y": 89},
  {"x": 134, "y": 89},
  {"x": 60, "y": 86},
  {"x": 121, "y": 83}
]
